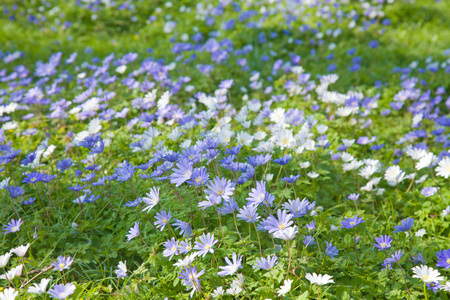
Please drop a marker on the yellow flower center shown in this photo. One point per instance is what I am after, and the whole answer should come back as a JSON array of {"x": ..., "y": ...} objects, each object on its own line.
[
  {"x": 174, "y": 248},
  {"x": 61, "y": 265},
  {"x": 282, "y": 226},
  {"x": 188, "y": 248},
  {"x": 198, "y": 179},
  {"x": 352, "y": 223},
  {"x": 207, "y": 246},
  {"x": 425, "y": 277},
  {"x": 164, "y": 220},
  {"x": 448, "y": 261},
  {"x": 220, "y": 192}
]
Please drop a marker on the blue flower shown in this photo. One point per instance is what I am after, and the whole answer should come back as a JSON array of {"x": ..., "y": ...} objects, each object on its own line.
[
  {"x": 15, "y": 191},
  {"x": 124, "y": 172},
  {"x": 182, "y": 174},
  {"x": 351, "y": 222},
  {"x": 248, "y": 214},
  {"x": 331, "y": 250},
  {"x": 134, "y": 232},
  {"x": 62, "y": 291},
  {"x": 162, "y": 219},
  {"x": 309, "y": 240},
  {"x": 205, "y": 245},
  {"x": 405, "y": 225},
  {"x": 443, "y": 259},
  {"x": 13, "y": 226},
  {"x": 171, "y": 248},
  {"x": 283, "y": 160},
  {"x": 62, "y": 263},
  {"x": 266, "y": 263},
  {"x": 383, "y": 242},
  {"x": 232, "y": 266}
]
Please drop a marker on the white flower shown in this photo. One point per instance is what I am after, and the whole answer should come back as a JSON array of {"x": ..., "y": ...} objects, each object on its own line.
[
  {"x": 415, "y": 153},
  {"x": 121, "y": 69},
  {"x": 334, "y": 228},
  {"x": 305, "y": 164},
  {"x": 4, "y": 183},
  {"x": 446, "y": 287},
  {"x": 321, "y": 129},
  {"x": 39, "y": 288},
  {"x": 286, "y": 234},
  {"x": 284, "y": 289},
  {"x": 319, "y": 279},
  {"x": 260, "y": 135},
  {"x": 443, "y": 168},
  {"x": 4, "y": 259},
  {"x": 164, "y": 100},
  {"x": 238, "y": 281},
  {"x": 347, "y": 157},
  {"x": 8, "y": 294},
  {"x": 421, "y": 232},
  {"x": 16, "y": 271},
  {"x": 445, "y": 212},
  {"x": 426, "y": 274},
  {"x": 348, "y": 143},
  {"x": 353, "y": 165},
  {"x": 284, "y": 138},
  {"x": 312, "y": 174},
  {"x": 244, "y": 138},
  {"x": 426, "y": 161},
  {"x": 218, "y": 292},
  {"x": 21, "y": 250},
  {"x": 394, "y": 175},
  {"x": 150, "y": 96},
  {"x": 189, "y": 259},
  {"x": 234, "y": 291}
]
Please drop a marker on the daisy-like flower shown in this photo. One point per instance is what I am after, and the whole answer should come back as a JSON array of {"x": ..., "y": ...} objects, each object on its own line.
[
  {"x": 189, "y": 277},
  {"x": 446, "y": 287},
  {"x": 232, "y": 266},
  {"x": 265, "y": 263},
  {"x": 248, "y": 214},
  {"x": 4, "y": 259},
  {"x": 351, "y": 222},
  {"x": 62, "y": 291},
  {"x": 443, "y": 168},
  {"x": 331, "y": 250},
  {"x": 421, "y": 232},
  {"x": 182, "y": 174},
  {"x": 443, "y": 259},
  {"x": 152, "y": 199},
  {"x": 383, "y": 242},
  {"x": 220, "y": 188},
  {"x": 285, "y": 288},
  {"x": 283, "y": 221},
  {"x": 319, "y": 279},
  {"x": 162, "y": 219},
  {"x": 62, "y": 263},
  {"x": 21, "y": 250},
  {"x": 445, "y": 212},
  {"x": 218, "y": 292},
  {"x": 394, "y": 175},
  {"x": 9, "y": 294},
  {"x": 205, "y": 245},
  {"x": 426, "y": 274},
  {"x": 39, "y": 288},
  {"x": 296, "y": 207},
  {"x": 121, "y": 270},
  {"x": 286, "y": 234},
  {"x": 405, "y": 225},
  {"x": 13, "y": 226},
  {"x": 134, "y": 232},
  {"x": 171, "y": 248},
  {"x": 13, "y": 272},
  {"x": 187, "y": 261}
]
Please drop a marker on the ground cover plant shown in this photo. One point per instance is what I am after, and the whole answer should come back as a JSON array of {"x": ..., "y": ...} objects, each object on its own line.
[{"x": 225, "y": 149}]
